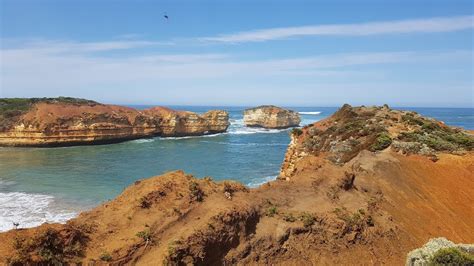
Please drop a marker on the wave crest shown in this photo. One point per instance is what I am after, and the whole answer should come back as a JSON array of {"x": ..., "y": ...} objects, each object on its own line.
[
  {"x": 29, "y": 210},
  {"x": 309, "y": 113}
]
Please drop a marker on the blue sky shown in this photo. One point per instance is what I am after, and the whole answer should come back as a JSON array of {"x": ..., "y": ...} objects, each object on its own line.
[{"x": 293, "y": 53}]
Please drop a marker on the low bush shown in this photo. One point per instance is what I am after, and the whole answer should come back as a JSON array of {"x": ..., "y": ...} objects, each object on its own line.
[
  {"x": 195, "y": 192},
  {"x": 289, "y": 218},
  {"x": 145, "y": 235},
  {"x": 451, "y": 256},
  {"x": 144, "y": 203},
  {"x": 307, "y": 219},
  {"x": 105, "y": 257},
  {"x": 271, "y": 211},
  {"x": 296, "y": 132},
  {"x": 382, "y": 142}
]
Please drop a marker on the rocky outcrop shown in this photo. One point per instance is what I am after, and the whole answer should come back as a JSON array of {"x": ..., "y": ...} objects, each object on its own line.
[
  {"x": 269, "y": 116},
  {"x": 423, "y": 255},
  {"x": 365, "y": 209},
  {"x": 354, "y": 129},
  {"x": 60, "y": 122}
]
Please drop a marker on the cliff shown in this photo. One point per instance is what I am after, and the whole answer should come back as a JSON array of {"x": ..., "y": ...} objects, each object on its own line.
[
  {"x": 269, "y": 116},
  {"x": 347, "y": 196},
  {"x": 70, "y": 121}
]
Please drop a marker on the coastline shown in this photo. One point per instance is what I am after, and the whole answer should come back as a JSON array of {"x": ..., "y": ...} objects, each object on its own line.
[{"x": 237, "y": 142}]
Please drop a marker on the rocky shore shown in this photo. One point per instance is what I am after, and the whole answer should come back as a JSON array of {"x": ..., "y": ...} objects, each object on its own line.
[
  {"x": 69, "y": 121},
  {"x": 362, "y": 187},
  {"x": 272, "y": 117}
]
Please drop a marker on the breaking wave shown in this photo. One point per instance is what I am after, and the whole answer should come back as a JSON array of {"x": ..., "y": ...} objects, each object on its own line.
[
  {"x": 30, "y": 210},
  {"x": 310, "y": 113},
  {"x": 261, "y": 181}
]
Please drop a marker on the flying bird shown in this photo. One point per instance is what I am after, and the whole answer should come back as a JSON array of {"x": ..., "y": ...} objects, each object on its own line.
[{"x": 166, "y": 16}]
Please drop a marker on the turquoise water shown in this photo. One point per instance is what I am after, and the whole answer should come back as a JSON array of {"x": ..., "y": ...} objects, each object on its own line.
[{"x": 53, "y": 184}]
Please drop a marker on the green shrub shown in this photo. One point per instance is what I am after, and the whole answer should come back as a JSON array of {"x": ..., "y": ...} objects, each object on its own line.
[
  {"x": 462, "y": 140},
  {"x": 382, "y": 142},
  {"x": 289, "y": 218},
  {"x": 437, "y": 143},
  {"x": 430, "y": 126},
  {"x": 195, "y": 192},
  {"x": 50, "y": 246},
  {"x": 410, "y": 119},
  {"x": 105, "y": 257},
  {"x": 296, "y": 131},
  {"x": 451, "y": 256},
  {"x": 145, "y": 235},
  {"x": 271, "y": 211},
  {"x": 370, "y": 221},
  {"x": 307, "y": 219},
  {"x": 145, "y": 203}
]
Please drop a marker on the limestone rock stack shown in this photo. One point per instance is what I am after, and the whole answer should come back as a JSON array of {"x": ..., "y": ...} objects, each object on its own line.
[{"x": 269, "y": 116}]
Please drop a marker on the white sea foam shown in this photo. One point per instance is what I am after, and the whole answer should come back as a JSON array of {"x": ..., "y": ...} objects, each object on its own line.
[
  {"x": 244, "y": 144},
  {"x": 237, "y": 127},
  {"x": 261, "y": 181},
  {"x": 143, "y": 140},
  {"x": 192, "y": 137},
  {"x": 310, "y": 113},
  {"x": 250, "y": 130},
  {"x": 29, "y": 210}
]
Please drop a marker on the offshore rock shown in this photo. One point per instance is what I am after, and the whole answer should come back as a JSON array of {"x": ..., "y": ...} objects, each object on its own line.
[{"x": 269, "y": 116}]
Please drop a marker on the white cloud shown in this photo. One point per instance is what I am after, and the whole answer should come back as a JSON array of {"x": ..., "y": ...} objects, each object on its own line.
[
  {"x": 439, "y": 24},
  {"x": 69, "y": 47}
]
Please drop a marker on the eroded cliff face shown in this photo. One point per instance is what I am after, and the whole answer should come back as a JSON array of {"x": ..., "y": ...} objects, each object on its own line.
[
  {"x": 370, "y": 208},
  {"x": 57, "y": 123},
  {"x": 269, "y": 116}
]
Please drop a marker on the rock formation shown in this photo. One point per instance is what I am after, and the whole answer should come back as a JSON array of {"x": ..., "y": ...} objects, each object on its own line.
[
  {"x": 269, "y": 116},
  {"x": 69, "y": 121},
  {"x": 347, "y": 196},
  {"x": 423, "y": 255}
]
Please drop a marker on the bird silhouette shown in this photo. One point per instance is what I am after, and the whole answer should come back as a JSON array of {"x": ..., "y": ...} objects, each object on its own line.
[{"x": 166, "y": 16}]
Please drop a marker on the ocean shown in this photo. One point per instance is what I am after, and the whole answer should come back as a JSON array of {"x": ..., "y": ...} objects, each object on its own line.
[{"x": 40, "y": 185}]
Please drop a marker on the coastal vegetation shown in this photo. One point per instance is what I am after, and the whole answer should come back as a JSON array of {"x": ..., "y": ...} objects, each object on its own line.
[
  {"x": 351, "y": 130},
  {"x": 451, "y": 256},
  {"x": 50, "y": 246},
  {"x": 195, "y": 192},
  {"x": 12, "y": 108},
  {"x": 382, "y": 142}
]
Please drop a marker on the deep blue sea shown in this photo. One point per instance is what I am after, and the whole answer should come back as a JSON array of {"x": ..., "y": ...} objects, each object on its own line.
[{"x": 53, "y": 184}]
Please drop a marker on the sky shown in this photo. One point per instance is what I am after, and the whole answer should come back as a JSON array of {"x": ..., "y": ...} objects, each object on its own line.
[{"x": 240, "y": 53}]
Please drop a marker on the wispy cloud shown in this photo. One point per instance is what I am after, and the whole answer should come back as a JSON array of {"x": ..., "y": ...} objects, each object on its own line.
[
  {"x": 438, "y": 24},
  {"x": 71, "y": 47}
]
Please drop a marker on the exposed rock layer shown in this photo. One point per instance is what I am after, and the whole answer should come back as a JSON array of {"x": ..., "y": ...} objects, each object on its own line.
[
  {"x": 53, "y": 122},
  {"x": 269, "y": 116},
  {"x": 360, "y": 211}
]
